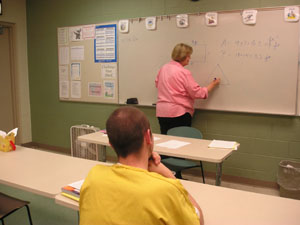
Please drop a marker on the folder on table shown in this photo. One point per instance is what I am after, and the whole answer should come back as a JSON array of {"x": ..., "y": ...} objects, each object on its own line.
[{"x": 224, "y": 144}]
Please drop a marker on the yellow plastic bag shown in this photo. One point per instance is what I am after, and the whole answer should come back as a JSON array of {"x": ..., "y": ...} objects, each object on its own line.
[{"x": 7, "y": 141}]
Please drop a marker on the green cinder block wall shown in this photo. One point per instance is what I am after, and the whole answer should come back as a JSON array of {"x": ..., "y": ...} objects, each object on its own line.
[{"x": 265, "y": 139}]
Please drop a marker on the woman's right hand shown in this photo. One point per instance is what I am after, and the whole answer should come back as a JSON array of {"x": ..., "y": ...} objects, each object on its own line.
[{"x": 213, "y": 84}]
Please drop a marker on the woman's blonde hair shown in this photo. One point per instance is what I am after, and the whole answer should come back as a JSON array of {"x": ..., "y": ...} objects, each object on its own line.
[{"x": 181, "y": 51}]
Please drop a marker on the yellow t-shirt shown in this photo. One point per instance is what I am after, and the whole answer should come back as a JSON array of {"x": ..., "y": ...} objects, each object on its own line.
[{"x": 122, "y": 194}]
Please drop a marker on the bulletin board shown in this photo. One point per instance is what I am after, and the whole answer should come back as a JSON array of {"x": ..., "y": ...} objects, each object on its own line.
[{"x": 88, "y": 63}]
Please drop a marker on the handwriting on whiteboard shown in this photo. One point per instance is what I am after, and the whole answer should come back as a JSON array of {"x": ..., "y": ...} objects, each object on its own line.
[
  {"x": 129, "y": 39},
  {"x": 251, "y": 49}
]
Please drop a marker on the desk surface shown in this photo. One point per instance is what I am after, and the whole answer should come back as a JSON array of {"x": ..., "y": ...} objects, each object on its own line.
[
  {"x": 228, "y": 206},
  {"x": 196, "y": 150},
  {"x": 41, "y": 172}
]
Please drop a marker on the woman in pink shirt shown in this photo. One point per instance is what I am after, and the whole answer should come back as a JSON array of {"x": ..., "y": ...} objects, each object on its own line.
[{"x": 177, "y": 90}]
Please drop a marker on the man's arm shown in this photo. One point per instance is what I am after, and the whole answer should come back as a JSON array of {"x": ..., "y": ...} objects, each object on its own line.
[
  {"x": 164, "y": 171},
  {"x": 160, "y": 168},
  {"x": 195, "y": 204}
]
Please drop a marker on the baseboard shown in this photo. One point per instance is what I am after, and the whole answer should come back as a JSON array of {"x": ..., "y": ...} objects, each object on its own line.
[
  {"x": 233, "y": 179},
  {"x": 51, "y": 148}
]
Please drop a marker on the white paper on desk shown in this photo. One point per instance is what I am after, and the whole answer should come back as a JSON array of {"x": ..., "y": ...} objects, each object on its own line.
[
  {"x": 223, "y": 144},
  {"x": 173, "y": 144},
  {"x": 156, "y": 138},
  {"x": 77, "y": 184}
]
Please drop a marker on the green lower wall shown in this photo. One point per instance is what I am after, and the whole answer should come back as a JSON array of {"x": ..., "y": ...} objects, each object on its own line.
[{"x": 265, "y": 139}]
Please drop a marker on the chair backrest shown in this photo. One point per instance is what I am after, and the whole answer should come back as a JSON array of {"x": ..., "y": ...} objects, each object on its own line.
[{"x": 183, "y": 131}]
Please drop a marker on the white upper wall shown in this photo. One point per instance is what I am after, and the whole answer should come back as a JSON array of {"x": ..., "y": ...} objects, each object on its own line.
[{"x": 14, "y": 11}]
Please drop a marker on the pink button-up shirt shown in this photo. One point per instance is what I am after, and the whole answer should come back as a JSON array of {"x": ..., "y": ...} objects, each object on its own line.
[{"x": 177, "y": 91}]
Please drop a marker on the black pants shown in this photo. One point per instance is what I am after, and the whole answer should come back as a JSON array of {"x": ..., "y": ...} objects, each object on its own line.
[{"x": 167, "y": 123}]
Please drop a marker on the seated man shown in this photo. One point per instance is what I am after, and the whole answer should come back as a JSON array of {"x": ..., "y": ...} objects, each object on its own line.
[{"x": 139, "y": 189}]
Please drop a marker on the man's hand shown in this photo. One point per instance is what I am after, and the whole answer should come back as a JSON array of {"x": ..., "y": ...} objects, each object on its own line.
[
  {"x": 155, "y": 157},
  {"x": 160, "y": 168}
]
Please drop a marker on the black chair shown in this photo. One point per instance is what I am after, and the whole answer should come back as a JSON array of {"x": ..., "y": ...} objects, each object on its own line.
[
  {"x": 8, "y": 205},
  {"x": 177, "y": 164}
]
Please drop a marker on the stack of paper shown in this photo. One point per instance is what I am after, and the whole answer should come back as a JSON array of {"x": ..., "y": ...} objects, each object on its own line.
[
  {"x": 72, "y": 190},
  {"x": 173, "y": 144},
  {"x": 224, "y": 144}
]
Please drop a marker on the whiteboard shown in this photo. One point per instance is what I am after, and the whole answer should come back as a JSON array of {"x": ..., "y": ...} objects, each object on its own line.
[{"x": 257, "y": 64}]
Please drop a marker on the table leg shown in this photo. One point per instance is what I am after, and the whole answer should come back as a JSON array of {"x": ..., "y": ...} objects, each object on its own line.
[
  {"x": 102, "y": 153},
  {"x": 218, "y": 174}
]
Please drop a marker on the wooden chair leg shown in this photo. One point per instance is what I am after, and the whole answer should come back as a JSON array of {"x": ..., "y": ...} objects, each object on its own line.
[
  {"x": 2, "y": 221},
  {"x": 202, "y": 172}
]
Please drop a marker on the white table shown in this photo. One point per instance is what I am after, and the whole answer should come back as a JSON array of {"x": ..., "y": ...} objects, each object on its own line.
[
  {"x": 196, "y": 150},
  {"x": 228, "y": 206},
  {"x": 41, "y": 172}
]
